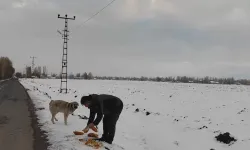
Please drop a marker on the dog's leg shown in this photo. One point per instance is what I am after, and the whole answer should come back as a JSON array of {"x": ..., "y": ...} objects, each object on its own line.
[
  {"x": 53, "y": 118},
  {"x": 56, "y": 119},
  {"x": 65, "y": 118},
  {"x": 53, "y": 115}
]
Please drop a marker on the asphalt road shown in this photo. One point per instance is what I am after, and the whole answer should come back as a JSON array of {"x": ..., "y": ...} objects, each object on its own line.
[{"x": 19, "y": 129}]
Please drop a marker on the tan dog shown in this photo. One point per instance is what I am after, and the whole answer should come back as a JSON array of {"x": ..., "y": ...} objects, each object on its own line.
[{"x": 56, "y": 106}]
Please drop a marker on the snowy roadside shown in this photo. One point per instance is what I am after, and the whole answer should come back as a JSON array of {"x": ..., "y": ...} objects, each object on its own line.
[
  {"x": 183, "y": 116},
  {"x": 1, "y": 83},
  {"x": 61, "y": 137},
  {"x": 4, "y": 80}
]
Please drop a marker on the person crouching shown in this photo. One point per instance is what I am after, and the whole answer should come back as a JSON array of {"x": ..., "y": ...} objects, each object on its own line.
[{"x": 108, "y": 108}]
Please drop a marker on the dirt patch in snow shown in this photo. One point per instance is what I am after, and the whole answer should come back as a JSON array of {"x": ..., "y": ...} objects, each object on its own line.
[{"x": 225, "y": 138}]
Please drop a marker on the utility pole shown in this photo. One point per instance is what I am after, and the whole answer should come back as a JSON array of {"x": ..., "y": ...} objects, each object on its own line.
[
  {"x": 64, "y": 71},
  {"x": 33, "y": 62}
]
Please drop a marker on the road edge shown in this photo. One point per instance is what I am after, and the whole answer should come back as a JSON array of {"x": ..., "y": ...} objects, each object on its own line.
[{"x": 39, "y": 136}]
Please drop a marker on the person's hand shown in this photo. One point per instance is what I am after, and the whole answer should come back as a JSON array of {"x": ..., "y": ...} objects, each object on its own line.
[
  {"x": 86, "y": 129},
  {"x": 91, "y": 125}
]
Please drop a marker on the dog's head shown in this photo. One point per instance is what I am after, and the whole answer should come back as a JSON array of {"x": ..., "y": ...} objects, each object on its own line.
[{"x": 74, "y": 105}]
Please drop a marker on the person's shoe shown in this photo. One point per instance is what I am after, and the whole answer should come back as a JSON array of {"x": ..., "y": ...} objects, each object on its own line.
[
  {"x": 108, "y": 141},
  {"x": 100, "y": 139}
]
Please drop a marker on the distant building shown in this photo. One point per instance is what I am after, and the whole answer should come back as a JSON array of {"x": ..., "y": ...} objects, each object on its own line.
[
  {"x": 28, "y": 72},
  {"x": 45, "y": 71},
  {"x": 39, "y": 69}
]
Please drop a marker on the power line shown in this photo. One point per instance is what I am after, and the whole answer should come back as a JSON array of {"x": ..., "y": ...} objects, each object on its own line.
[{"x": 91, "y": 17}]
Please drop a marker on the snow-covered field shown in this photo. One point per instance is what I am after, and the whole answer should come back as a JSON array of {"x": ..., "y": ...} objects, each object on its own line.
[{"x": 171, "y": 116}]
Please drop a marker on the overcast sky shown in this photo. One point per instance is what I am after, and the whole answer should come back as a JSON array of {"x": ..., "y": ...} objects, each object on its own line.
[{"x": 131, "y": 37}]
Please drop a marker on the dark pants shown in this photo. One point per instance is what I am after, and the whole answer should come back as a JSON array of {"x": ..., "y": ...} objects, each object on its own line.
[{"x": 109, "y": 126}]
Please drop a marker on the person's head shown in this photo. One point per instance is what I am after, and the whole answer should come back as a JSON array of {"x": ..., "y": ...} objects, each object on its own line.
[{"x": 86, "y": 100}]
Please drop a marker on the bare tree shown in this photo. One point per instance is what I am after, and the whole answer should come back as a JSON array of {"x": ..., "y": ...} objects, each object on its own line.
[
  {"x": 6, "y": 68},
  {"x": 78, "y": 75},
  {"x": 85, "y": 75},
  {"x": 90, "y": 76}
]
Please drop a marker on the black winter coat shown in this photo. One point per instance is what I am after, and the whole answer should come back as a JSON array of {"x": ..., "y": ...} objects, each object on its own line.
[{"x": 104, "y": 105}]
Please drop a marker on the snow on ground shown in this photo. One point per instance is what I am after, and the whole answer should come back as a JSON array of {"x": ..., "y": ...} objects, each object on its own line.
[
  {"x": 171, "y": 116},
  {"x": 4, "y": 80},
  {"x": 2, "y": 85}
]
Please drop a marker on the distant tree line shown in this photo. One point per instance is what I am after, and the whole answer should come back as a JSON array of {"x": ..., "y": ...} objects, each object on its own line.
[
  {"x": 6, "y": 68},
  {"x": 85, "y": 75},
  {"x": 181, "y": 79},
  {"x": 178, "y": 79}
]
